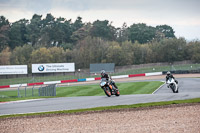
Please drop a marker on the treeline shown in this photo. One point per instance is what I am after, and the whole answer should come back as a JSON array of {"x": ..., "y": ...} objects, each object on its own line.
[
  {"x": 56, "y": 40},
  {"x": 60, "y": 32},
  {"x": 96, "y": 50}
]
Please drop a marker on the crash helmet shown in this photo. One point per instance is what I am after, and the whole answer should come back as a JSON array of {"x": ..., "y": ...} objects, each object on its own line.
[
  {"x": 103, "y": 72},
  {"x": 168, "y": 73}
]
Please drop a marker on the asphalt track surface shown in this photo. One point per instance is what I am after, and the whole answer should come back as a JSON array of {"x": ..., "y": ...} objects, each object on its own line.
[{"x": 188, "y": 88}]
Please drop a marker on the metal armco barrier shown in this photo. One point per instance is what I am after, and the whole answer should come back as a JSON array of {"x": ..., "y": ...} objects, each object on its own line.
[{"x": 49, "y": 90}]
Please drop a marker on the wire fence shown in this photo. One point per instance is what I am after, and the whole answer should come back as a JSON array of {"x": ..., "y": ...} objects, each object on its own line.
[{"x": 27, "y": 91}]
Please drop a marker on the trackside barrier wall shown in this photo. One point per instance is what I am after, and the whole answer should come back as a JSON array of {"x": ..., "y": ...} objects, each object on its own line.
[
  {"x": 136, "y": 75},
  {"x": 79, "y": 80},
  {"x": 90, "y": 79},
  {"x": 52, "y": 82},
  {"x": 5, "y": 86},
  {"x": 121, "y": 76},
  {"x": 18, "y": 85},
  {"x": 68, "y": 81},
  {"x": 153, "y": 74},
  {"x": 38, "y": 83}
]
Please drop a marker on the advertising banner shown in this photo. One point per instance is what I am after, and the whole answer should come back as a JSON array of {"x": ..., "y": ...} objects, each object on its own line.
[
  {"x": 13, "y": 69},
  {"x": 53, "y": 67}
]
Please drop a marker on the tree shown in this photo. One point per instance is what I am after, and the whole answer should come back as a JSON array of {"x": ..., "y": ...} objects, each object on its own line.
[
  {"x": 21, "y": 55},
  {"x": 193, "y": 51},
  {"x": 3, "y": 21},
  {"x": 81, "y": 54},
  {"x": 61, "y": 32},
  {"x": 81, "y": 33},
  {"x": 5, "y": 56},
  {"x": 18, "y": 33},
  {"x": 48, "y": 21},
  {"x": 141, "y": 33},
  {"x": 69, "y": 55},
  {"x": 89, "y": 50},
  {"x": 55, "y": 32},
  {"x": 127, "y": 53},
  {"x": 147, "y": 53},
  {"x": 34, "y": 29},
  {"x": 166, "y": 30},
  {"x": 137, "y": 53},
  {"x": 114, "y": 54},
  {"x": 159, "y": 36},
  {"x": 155, "y": 55},
  {"x": 58, "y": 54},
  {"x": 4, "y": 31},
  {"x": 122, "y": 33},
  {"x": 77, "y": 24},
  {"x": 103, "y": 29},
  {"x": 41, "y": 55},
  {"x": 171, "y": 50},
  {"x": 46, "y": 31}
]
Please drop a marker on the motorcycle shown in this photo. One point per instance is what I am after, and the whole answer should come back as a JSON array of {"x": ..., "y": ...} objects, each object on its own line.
[
  {"x": 109, "y": 88},
  {"x": 172, "y": 84}
]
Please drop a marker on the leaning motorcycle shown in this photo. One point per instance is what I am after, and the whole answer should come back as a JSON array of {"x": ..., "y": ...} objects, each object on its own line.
[
  {"x": 172, "y": 84},
  {"x": 109, "y": 89}
]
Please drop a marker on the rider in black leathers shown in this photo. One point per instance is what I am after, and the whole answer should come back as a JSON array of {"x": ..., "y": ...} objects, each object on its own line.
[
  {"x": 104, "y": 75},
  {"x": 169, "y": 75},
  {"x": 108, "y": 78}
]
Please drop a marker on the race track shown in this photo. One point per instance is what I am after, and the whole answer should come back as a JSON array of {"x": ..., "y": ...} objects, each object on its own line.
[{"x": 188, "y": 88}]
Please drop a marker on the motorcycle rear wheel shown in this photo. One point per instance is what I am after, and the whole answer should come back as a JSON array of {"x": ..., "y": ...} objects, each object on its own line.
[{"x": 117, "y": 93}]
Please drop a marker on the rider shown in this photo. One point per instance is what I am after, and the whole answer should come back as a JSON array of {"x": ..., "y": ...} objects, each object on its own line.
[
  {"x": 104, "y": 75},
  {"x": 169, "y": 75},
  {"x": 108, "y": 78}
]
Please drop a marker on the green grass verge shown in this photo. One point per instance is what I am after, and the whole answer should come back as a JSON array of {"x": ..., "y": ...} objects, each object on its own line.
[
  {"x": 196, "y": 100},
  {"x": 95, "y": 90},
  {"x": 85, "y": 90}
]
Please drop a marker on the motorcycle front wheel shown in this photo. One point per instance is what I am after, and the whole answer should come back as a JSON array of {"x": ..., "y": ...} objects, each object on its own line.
[
  {"x": 176, "y": 91},
  {"x": 173, "y": 88},
  {"x": 107, "y": 91}
]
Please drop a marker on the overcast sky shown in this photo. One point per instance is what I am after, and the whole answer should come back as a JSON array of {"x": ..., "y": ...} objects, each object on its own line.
[{"x": 182, "y": 15}]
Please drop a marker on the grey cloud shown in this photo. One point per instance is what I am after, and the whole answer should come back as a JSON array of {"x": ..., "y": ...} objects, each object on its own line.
[
  {"x": 128, "y": 4},
  {"x": 37, "y": 6},
  {"x": 75, "y": 5},
  {"x": 150, "y": 8},
  {"x": 82, "y": 5}
]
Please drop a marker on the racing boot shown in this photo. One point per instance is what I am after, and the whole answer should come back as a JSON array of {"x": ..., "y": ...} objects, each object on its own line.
[{"x": 176, "y": 81}]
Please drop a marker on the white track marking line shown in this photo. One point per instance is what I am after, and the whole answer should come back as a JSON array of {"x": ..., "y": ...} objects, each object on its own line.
[
  {"x": 20, "y": 101},
  {"x": 159, "y": 87}
]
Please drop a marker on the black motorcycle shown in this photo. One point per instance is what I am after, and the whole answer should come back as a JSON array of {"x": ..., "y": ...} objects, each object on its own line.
[{"x": 109, "y": 88}]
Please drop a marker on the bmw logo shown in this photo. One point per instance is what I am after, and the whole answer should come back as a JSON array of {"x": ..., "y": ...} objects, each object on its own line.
[{"x": 41, "y": 68}]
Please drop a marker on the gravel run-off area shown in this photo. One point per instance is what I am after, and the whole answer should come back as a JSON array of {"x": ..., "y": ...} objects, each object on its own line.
[{"x": 163, "y": 119}]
